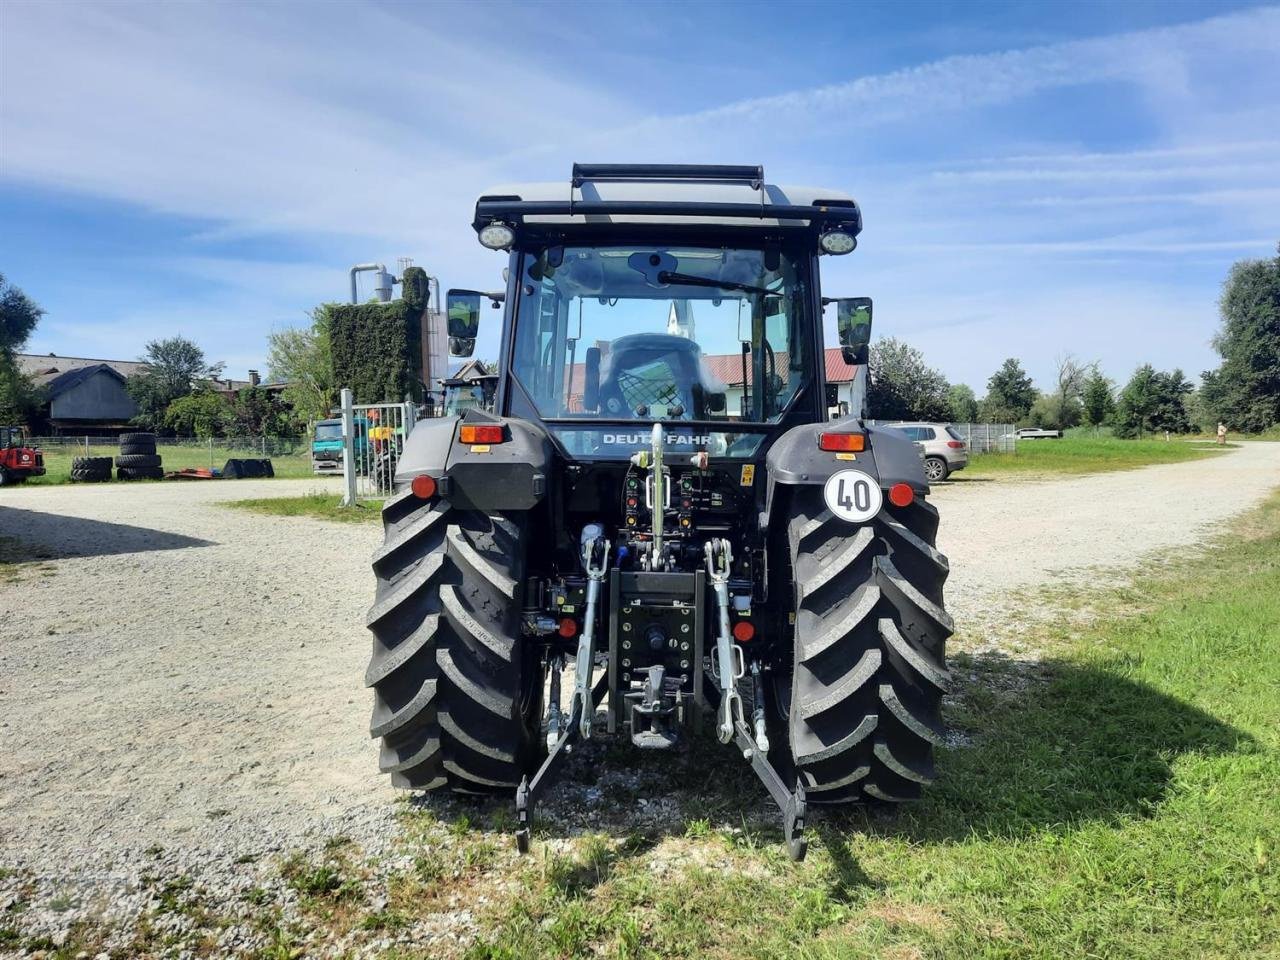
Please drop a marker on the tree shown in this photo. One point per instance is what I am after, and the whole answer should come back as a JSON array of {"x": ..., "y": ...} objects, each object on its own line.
[
  {"x": 202, "y": 414},
  {"x": 1152, "y": 402},
  {"x": 962, "y": 404},
  {"x": 175, "y": 367},
  {"x": 1244, "y": 392},
  {"x": 1010, "y": 394},
  {"x": 302, "y": 358},
  {"x": 256, "y": 412},
  {"x": 1063, "y": 406},
  {"x": 19, "y": 314},
  {"x": 902, "y": 386},
  {"x": 1097, "y": 399}
]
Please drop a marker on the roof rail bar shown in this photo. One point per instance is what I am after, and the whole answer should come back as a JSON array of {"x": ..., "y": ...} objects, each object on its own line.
[{"x": 707, "y": 172}]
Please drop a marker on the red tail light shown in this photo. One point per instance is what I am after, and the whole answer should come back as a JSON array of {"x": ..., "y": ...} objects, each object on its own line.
[
  {"x": 743, "y": 631},
  {"x": 568, "y": 627},
  {"x": 424, "y": 487},
  {"x": 955, "y": 444},
  {"x": 481, "y": 433},
  {"x": 842, "y": 442}
]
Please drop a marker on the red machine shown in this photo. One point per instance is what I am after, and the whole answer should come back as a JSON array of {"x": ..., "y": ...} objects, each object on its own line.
[{"x": 17, "y": 460}]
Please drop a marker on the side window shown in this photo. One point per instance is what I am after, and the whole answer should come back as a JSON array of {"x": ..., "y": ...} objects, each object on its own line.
[{"x": 928, "y": 433}]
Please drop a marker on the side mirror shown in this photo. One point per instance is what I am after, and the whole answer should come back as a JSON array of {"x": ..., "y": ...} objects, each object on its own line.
[
  {"x": 463, "y": 321},
  {"x": 853, "y": 323},
  {"x": 833, "y": 394},
  {"x": 591, "y": 381},
  {"x": 715, "y": 402}
]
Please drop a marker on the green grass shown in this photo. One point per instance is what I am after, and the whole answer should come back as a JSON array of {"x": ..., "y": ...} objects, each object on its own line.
[
  {"x": 322, "y": 506},
  {"x": 57, "y": 460},
  {"x": 1124, "y": 804},
  {"x": 1078, "y": 453}
]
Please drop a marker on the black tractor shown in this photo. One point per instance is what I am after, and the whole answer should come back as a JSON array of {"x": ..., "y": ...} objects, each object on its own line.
[{"x": 659, "y": 502}]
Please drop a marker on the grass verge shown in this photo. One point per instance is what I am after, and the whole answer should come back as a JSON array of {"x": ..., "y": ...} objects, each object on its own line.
[
  {"x": 322, "y": 506},
  {"x": 1081, "y": 454}
]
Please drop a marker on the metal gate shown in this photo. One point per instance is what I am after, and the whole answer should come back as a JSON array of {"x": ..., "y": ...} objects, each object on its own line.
[{"x": 373, "y": 435}]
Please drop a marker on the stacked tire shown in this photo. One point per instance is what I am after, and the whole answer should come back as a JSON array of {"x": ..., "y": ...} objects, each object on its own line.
[
  {"x": 138, "y": 459},
  {"x": 90, "y": 469}
]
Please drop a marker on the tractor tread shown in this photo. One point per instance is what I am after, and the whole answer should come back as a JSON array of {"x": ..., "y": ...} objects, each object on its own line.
[
  {"x": 844, "y": 688},
  {"x": 457, "y": 696},
  {"x": 864, "y": 711},
  {"x": 387, "y": 720},
  {"x": 385, "y": 662}
]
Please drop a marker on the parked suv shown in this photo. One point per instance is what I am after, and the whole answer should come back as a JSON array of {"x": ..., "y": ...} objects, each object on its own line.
[{"x": 944, "y": 450}]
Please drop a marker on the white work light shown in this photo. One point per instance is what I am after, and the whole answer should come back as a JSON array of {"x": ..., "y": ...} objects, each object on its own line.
[
  {"x": 837, "y": 242},
  {"x": 497, "y": 236}
]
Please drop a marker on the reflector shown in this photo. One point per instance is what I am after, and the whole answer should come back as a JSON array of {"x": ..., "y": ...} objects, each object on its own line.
[{"x": 901, "y": 494}]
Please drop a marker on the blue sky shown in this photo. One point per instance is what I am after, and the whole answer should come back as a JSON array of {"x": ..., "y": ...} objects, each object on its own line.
[{"x": 1035, "y": 178}]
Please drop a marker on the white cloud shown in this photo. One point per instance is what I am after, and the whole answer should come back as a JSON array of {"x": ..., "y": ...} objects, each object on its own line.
[{"x": 360, "y": 123}]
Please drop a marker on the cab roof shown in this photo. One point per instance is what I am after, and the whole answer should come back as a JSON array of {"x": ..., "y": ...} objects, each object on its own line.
[{"x": 685, "y": 195}]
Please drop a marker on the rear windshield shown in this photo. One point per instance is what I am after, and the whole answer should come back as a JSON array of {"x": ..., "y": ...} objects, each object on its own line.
[{"x": 952, "y": 432}]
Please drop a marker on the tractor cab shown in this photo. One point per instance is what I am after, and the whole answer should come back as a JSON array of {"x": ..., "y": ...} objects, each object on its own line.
[{"x": 18, "y": 460}]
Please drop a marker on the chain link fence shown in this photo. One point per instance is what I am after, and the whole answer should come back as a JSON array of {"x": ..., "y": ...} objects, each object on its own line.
[{"x": 290, "y": 457}]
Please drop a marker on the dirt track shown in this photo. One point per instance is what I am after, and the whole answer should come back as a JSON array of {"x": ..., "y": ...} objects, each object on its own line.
[{"x": 185, "y": 676}]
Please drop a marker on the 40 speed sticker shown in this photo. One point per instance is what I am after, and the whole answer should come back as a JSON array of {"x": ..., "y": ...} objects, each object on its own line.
[{"x": 853, "y": 496}]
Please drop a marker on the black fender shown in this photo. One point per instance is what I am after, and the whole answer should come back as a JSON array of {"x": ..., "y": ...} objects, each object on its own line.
[
  {"x": 795, "y": 459},
  {"x": 511, "y": 475}
]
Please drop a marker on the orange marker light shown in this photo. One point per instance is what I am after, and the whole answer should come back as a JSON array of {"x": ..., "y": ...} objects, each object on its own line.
[
  {"x": 901, "y": 494},
  {"x": 743, "y": 631},
  {"x": 843, "y": 442},
  {"x": 481, "y": 433},
  {"x": 423, "y": 487}
]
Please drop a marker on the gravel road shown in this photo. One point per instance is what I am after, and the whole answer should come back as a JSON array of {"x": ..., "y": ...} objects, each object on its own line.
[{"x": 180, "y": 684}]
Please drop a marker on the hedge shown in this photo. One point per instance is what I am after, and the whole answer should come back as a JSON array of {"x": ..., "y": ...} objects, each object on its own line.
[{"x": 377, "y": 347}]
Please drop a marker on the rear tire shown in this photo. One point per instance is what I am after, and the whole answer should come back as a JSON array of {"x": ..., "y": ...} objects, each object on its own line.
[
  {"x": 457, "y": 689},
  {"x": 936, "y": 469},
  {"x": 863, "y": 709}
]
